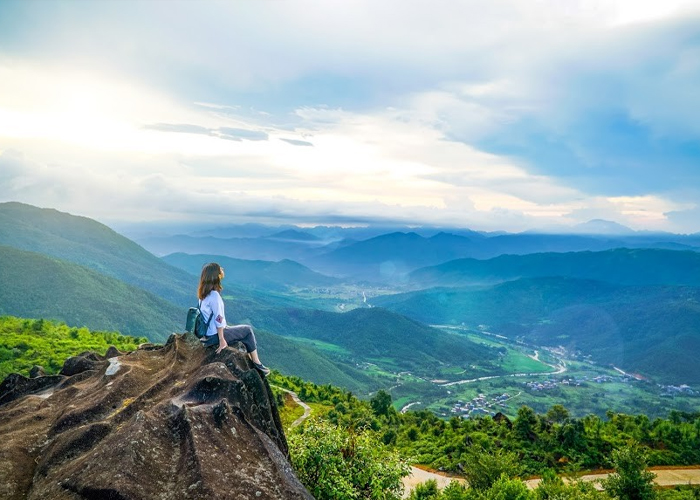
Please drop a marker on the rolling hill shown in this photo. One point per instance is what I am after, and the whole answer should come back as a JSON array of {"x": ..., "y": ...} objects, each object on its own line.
[
  {"x": 36, "y": 286},
  {"x": 90, "y": 244},
  {"x": 654, "y": 330},
  {"x": 258, "y": 274},
  {"x": 373, "y": 334},
  {"x": 294, "y": 358},
  {"x": 623, "y": 265}
]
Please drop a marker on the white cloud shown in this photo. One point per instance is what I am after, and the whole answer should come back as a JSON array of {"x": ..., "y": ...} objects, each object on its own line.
[
  {"x": 161, "y": 126},
  {"x": 362, "y": 166}
]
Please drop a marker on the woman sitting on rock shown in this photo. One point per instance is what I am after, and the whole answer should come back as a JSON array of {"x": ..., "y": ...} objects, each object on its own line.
[{"x": 219, "y": 333}]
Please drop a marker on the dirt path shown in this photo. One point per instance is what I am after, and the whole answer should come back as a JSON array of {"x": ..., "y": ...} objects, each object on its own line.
[
  {"x": 419, "y": 476},
  {"x": 664, "y": 477},
  {"x": 307, "y": 408}
]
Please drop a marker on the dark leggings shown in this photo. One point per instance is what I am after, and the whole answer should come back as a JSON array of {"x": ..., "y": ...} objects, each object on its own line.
[{"x": 241, "y": 333}]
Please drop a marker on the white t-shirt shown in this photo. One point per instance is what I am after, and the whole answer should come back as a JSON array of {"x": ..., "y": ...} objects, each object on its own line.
[{"x": 213, "y": 304}]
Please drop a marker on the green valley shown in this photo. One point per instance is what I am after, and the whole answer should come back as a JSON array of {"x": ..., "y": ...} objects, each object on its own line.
[{"x": 651, "y": 329}]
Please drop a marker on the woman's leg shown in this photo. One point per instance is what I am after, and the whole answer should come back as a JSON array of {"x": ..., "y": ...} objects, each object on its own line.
[
  {"x": 245, "y": 334},
  {"x": 241, "y": 333}
]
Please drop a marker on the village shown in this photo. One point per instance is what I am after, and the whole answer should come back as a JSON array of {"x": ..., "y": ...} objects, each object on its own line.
[
  {"x": 480, "y": 406},
  {"x": 575, "y": 382}
]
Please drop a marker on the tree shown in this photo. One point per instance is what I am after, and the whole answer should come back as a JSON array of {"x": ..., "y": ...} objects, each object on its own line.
[
  {"x": 557, "y": 414},
  {"x": 455, "y": 491},
  {"x": 552, "y": 487},
  {"x": 483, "y": 468},
  {"x": 338, "y": 463},
  {"x": 425, "y": 491},
  {"x": 631, "y": 480},
  {"x": 507, "y": 489},
  {"x": 380, "y": 403},
  {"x": 526, "y": 424}
]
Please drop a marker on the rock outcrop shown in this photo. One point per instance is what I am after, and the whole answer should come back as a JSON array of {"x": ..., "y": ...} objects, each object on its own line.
[{"x": 164, "y": 422}]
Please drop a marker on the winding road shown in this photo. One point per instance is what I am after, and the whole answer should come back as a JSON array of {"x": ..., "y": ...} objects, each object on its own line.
[{"x": 665, "y": 476}]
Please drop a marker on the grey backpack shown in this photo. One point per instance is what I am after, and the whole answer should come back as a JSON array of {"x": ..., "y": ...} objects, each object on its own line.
[{"x": 195, "y": 322}]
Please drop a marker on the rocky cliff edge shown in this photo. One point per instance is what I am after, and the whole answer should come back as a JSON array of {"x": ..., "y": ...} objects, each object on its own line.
[{"x": 164, "y": 422}]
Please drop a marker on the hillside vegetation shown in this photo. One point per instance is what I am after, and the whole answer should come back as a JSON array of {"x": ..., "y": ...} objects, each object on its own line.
[
  {"x": 87, "y": 242},
  {"x": 37, "y": 286},
  {"x": 376, "y": 335},
  {"x": 26, "y": 342},
  {"x": 495, "y": 453},
  {"x": 652, "y": 329},
  {"x": 292, "y": 358}
]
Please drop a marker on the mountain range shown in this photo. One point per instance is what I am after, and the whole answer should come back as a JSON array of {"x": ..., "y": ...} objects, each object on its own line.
[
  {"x": 389, "y": 257},
  {"x": 633, "y": 307},
  {"x": 33, "y": 285},
  {"x": 649, "y": 266},
  {"x": 66, "y": 283}
]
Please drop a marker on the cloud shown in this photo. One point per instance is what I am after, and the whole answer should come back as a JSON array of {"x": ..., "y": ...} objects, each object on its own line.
[
  {"x": 239, "y": 133},
  {"x": 233, "y": 134},
  {"x": 687, "y": 221},
  {"x": 615, "y": 117},
  {"x": 296, "y": 142},
  {"x": 476, "y": 112},
  {"x": 182, "y": 128}
]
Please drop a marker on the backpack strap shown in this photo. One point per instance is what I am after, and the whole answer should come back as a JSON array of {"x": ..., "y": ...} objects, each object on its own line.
[{"x": 210, "y": 316}]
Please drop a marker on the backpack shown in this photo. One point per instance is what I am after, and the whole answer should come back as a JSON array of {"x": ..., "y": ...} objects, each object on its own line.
[{"x": 195, "y": 322}]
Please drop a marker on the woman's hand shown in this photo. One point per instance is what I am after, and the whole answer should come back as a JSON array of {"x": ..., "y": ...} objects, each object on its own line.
[
  {"x": 222, "y": 340},
  {"x": 222, "y": 345}
]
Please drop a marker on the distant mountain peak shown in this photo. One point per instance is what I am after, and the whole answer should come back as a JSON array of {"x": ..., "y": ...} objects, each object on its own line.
[
  {"x": 294, "y": 235},
  {"x": 445, "y": 236},
  {"x": 601, "y": 226}
]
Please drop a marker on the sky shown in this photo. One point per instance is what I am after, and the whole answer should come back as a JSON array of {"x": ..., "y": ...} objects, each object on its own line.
[{"x": 492, "y": 115}]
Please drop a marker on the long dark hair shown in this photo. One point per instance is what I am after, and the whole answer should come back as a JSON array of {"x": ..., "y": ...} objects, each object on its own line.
[{"x": 210, "y": 280}]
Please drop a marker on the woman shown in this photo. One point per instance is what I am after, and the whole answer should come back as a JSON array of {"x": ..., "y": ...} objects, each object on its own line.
[{"x": 218, "y": 332}]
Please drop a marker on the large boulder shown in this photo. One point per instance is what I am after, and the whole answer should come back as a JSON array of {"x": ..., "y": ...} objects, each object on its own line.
[{"x": 170, "y": 422}]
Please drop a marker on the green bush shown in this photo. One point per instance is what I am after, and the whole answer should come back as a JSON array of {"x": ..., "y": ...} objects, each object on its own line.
[{"x": 341, "y": 464}]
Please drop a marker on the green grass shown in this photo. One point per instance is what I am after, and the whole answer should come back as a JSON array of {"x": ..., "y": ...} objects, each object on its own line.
[
  {"x": 518, "y": 362},
  {"x": 403, "y": 401},
  {"x": 452, "y": 370}
]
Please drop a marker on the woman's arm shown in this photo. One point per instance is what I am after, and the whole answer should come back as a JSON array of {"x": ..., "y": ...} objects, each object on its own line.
[{"x": 222, "y": 341}]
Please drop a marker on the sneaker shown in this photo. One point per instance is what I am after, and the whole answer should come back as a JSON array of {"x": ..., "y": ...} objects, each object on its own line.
[{"x": 262, "y": 369}]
